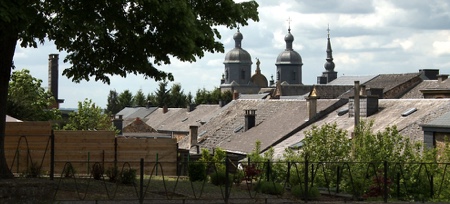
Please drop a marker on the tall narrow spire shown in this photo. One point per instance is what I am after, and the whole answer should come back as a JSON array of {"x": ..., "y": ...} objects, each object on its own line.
[
  {"x": 329, "y": 65},
  {"x": 289, "y": 38}
]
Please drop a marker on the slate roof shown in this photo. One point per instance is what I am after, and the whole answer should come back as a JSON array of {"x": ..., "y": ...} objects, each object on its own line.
[
  {"x": 389, "y": 114},
  {"x": 179, "y": 119},
  {"x": 387, "y": 82},
  {"x": 274, "y": 119},
  {"x": 440, "y": 122},
  {"x": 350, "y": 80},
  {"x": 129, "y": 114}
]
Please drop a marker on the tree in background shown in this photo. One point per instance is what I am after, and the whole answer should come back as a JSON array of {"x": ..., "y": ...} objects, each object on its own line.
[
  {"x": 162, "y": 95},
  {"x": 113, "y": 106},
  {"x": 105, "y": 38},
  {"x": 89, "y": 117},
  {"x": 125, "y": 99},
  {"x": 177, "y": 98},
  {"x": 28, "y": 101},
  {"x": 204, "y": 96},
  {"x": 139, "y": 99}
]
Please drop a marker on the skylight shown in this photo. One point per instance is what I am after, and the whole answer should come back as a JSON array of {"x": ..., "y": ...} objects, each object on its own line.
[{"x": 409, "y": 112}]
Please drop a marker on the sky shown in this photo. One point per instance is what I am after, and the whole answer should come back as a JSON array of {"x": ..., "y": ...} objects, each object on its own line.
[{"x": 368, "y": 38}]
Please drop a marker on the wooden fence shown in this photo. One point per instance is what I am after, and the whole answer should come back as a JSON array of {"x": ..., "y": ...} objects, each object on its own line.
[{"x": 31, "y": 142}]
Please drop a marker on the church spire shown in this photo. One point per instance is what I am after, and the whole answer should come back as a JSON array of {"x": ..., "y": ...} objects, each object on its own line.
[{"x": 329, "y": 65}]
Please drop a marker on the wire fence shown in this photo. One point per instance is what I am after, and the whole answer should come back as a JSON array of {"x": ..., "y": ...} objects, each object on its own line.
[{"x": 258, "y": 182}]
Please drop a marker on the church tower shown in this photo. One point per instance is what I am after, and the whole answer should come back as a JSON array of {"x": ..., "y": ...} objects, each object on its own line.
[
  {"x": 289, "y": 63},
  {"x": 329, "y": 74},
  {"x": 237, "y": 63}
]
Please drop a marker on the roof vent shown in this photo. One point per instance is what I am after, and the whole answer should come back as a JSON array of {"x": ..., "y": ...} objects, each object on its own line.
[
  {"x": 202, "y": 133},
  {"x": 409, "y": 112},
  {"x": 238, "y": 129},
  {"x": 342, "y": 112}
]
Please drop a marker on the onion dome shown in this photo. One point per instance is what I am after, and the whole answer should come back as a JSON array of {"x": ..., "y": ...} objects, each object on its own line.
[
  {"x": 289, "y": 56},
  {"x": 329, "y": 64},
  {"x": 237, "y": 54}
]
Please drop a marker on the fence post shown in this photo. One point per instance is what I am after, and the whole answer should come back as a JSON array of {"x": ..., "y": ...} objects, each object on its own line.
[
  {"x": 52, "y": 155},
  {"x": 306, "y": 178},
  {"x": 141, "y": 182},
  {"x": 227, "y": 179},
  {"x": 268, "y": 170},
  {"x": 156, "y": 164},
  {"x": 385, "y": 193},
  {"x": 288, "y": 172},
  {"x": 431, "y": 186},
  {"x": 115, "y": 152},
  {"x": 338, "y": 179}
]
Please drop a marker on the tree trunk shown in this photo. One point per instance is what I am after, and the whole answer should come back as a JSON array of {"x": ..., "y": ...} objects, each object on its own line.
[{"x": 8, "y": 41}]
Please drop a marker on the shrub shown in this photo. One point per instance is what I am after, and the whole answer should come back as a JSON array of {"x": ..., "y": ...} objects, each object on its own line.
[
  {"x": 219, "y": 178},
  {"x": 69, "y": 171},
  {"x": 33, "y": 171},
  {"x": 269, "y": 187},
  {"x": 97, "y": 171},
  {"x": 298, "y": 191},
  {"x": 128, "y": 176},
  {"x": 197, "y": 171},
  {"x": 112, "y": 173},
  {"x": 238, "y": 176}
]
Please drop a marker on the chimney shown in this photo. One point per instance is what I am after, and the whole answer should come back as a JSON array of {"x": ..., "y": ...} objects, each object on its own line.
[
  {"x": 190, "y": 107},
  {"x": 431, "y": 74},
  {"x": 375, "y": 92},
  {"x": 165, "y": 109},
  {"x": 193, "y": 134},
  {"x": 356, "y": 107},
  {"x": 235, "y": 95},
  {"x": 250, "y": 118},
  {"x": 442, "y": 77},
  {"x": 53, "y": 77},
  {"x": 117, "y": 122},
  {"x": 362, "y": 90},
  {"x": 312, "y": 103}
]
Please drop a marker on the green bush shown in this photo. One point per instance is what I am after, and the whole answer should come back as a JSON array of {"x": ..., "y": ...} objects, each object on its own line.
[
  {"x": 238, "y": 176},
  {"x": 197, "y": 171},
  {"x": 112, "y": 173},
  {"x": 269, "y": 187},
  {"x": 128, "y": 176},
  {"x": 298, "y": 191},
  {"x": 33, "y": 171},
  {"x": 219, "y": 178}
]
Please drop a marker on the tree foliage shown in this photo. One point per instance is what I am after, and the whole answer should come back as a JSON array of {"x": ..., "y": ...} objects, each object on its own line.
[
  {"x": 162, "y": 95},
  {"x": 177, "y": 98},
  {"x": 113, "y": 105},
  {"x": 89, "y": 117},
  {"x": 139, "y": 99},
  {"x": 105, "y": 38},
  {"x": 125, "y": 99},
  {"x": 204, "y": 96},
  {"x": 28, "y": 101}
]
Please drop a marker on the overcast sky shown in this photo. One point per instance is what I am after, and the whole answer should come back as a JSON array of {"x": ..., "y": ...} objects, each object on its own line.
[{"x": 367, "y": 37}]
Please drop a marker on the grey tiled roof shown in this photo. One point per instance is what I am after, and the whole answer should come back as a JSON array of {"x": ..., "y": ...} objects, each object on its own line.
[
  {"x": 274, "y": 119},
  {"x": 389, "y": 114},
  {"x": 179, "y": 119},
  {"x": 136, "y": 112},
  {"x": 440, "y": 122},
  {"x": 350, "y": 80}
]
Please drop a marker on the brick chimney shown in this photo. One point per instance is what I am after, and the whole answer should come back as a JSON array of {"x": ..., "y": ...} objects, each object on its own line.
[
  {"x": 165, "y": 109},
  {"x": 118, "y": 123},
  {"x": 193, "y": 134},
  {"x": 250, "y": 119},
  {"x": 235, "y": 95},
  {"x": 53, "y": 77}
]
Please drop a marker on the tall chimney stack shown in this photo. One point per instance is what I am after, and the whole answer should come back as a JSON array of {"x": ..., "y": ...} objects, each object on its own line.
[
  {"x": 193, "y": 135},
  {"x": 250, "y": 119},
  {"x": 53, "y": 76},
  {"x": 312, "y": 103},
  {"x": 356, "y": 103}
]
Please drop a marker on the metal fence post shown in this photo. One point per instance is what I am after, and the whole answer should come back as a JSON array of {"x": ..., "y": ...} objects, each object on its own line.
[
  {"x": 141, "y": 182},
  {"x": 385, "y": 193},
  {"x": 52, "y": 155},
  {"x": 227, "y": 179},
  {"x": 268, "y": 170},
  {"x": 306, "y": 178}
]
